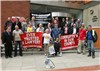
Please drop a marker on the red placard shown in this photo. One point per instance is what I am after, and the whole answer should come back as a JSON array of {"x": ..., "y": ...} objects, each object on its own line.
[
  {"x": 69, "y": 41},
  {"x": 32, "y": 39}
]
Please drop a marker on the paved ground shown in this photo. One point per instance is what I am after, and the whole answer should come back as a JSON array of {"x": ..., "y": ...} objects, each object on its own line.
[{"x": 35, "y": 62}]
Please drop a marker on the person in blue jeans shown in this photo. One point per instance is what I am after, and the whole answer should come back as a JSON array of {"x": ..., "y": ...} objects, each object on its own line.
[{"x": 91, "y": 38}]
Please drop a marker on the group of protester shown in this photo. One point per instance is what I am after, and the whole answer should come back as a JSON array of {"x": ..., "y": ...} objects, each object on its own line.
[{"x": 51, "y": 34}]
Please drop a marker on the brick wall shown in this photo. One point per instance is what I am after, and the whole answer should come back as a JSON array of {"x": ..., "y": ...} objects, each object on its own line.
[{"x": 14, "y": 8}]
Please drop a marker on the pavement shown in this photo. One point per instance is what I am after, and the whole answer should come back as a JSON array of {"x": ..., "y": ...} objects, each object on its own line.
[{"x": 35, "y": 62}]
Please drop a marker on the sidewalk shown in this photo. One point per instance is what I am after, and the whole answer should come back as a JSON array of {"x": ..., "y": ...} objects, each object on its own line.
[{"x": 35, "y": 62}]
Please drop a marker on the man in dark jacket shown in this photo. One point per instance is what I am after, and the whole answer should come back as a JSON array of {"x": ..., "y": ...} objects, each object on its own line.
[
  {"x": 17, "y": 22},
  {"x": 8, "y": 23},
  {"x": 91, "y": 38},
  {"x": 62, "y": 25},
  {"x": 70, "y": 29},
  {"x": 7, "y": 41},
  {"x": 70, "y": 26},
  {"x": 71, "y": 22}
]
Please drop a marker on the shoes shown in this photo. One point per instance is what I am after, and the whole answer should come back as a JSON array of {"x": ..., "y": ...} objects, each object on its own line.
[
  {"x": 21, "y": 55},
  {"x": 89, "y": 55},
  {"x": 93, "y": 56},
  {"x": 10, "y": 57},
  {"x": 78, "y": 52},
  {"x": 15, "y": 55},
  {"x": 6, "y": 57}
]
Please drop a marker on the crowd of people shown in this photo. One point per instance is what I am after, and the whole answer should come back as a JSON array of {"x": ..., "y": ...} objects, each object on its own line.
[{"x": 51, "y": 34}]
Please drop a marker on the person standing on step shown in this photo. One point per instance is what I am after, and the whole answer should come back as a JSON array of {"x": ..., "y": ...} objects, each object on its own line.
[
  {"x": 46, "y": 41},
  {"x": 17, "y": 40},
  {"x": 7, "y": 41},
  {"x": 91, "y": 38},
  {"x": 82, "y": 37}
]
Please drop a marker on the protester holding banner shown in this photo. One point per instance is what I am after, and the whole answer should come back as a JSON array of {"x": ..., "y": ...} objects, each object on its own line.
[
  {"x": 46, "y": 41},
  {"x": 82, "y": 37},
  {"x": 91, "y": 38},
  {"x": 40, "y": 28},
  {"x": 17, "y": 40}
]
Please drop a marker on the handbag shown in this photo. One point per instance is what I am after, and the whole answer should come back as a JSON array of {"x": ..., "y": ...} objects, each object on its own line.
[{"x": 51, "y": 50}]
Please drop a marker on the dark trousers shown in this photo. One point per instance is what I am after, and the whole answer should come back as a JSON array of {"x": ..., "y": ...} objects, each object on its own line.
[
  {"x": 8, "y": 50},
  {"x": 57, "y": 50},
  {"x": 18, "y": 45}
]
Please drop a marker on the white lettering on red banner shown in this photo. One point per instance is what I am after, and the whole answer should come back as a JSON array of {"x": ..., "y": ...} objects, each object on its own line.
[
  {"x": 32, "y": 39},
  {"x": 69, "y": 41}
]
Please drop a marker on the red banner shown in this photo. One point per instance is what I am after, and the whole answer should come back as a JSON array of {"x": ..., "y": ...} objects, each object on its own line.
[
  {"x": 32, "y": 39},
  {"x": 69, "y": 41}
]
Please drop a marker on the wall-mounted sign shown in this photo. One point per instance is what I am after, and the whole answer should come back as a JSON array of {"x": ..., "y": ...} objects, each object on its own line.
[
  {"x": 94, "y": 19},
  {"x": 43, "y": 18}
]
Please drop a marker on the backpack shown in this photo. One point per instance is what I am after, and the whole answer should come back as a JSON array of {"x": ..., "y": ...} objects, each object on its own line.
[{"x": 94, "y": 34}]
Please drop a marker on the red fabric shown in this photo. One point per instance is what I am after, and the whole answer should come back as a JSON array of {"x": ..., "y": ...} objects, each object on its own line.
[
  {"x": 32, "y": 39},
  {"x": 69, "y": 41},
  {"x": 82, "y": 34}
]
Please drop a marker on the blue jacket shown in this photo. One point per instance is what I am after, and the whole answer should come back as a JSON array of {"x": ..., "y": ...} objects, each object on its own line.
[{"x": 55, "y": 33}]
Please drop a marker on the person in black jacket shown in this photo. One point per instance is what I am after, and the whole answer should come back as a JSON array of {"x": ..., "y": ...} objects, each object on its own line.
[
  {"x": 7, "y": 41},
  {"x": 57, "y": 46},
  {"x": 70, "y": 26},
  {"x": 17, "y": 22},
  {"x": 70, "y": 30},
  {"x": 62, "y": 25},
  {"x": 91, "y": 39},
  {"x": 8, "y": 23},
  {"x": 71, "y": 22}
]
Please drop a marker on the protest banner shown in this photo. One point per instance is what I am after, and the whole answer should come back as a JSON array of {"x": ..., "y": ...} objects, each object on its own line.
[
  {"x": 31, "y": 39},
  {"x": 69, "y": 41}
]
